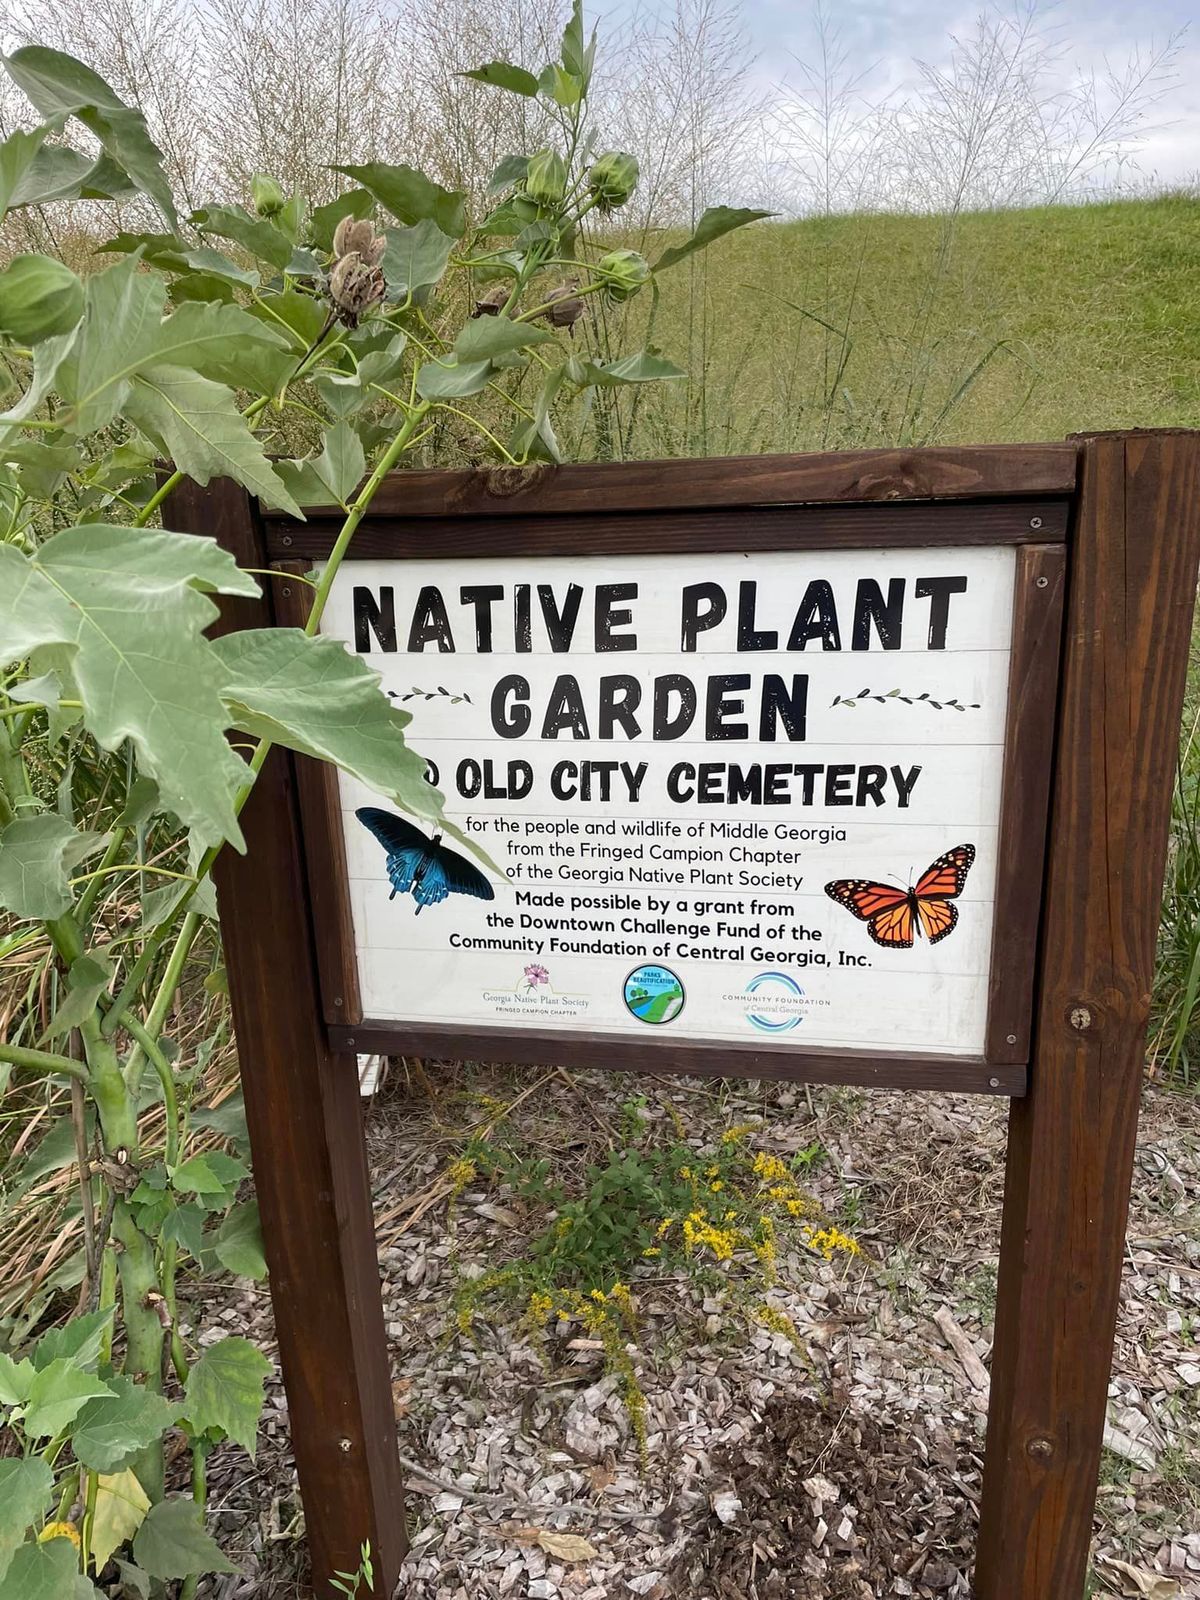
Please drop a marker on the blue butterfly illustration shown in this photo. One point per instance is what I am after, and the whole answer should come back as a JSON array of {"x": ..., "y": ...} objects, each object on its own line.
[{"x": 420, "y": 864}]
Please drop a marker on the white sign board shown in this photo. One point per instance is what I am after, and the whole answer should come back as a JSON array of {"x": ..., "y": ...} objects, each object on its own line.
[{"x": 735, "y": 797}]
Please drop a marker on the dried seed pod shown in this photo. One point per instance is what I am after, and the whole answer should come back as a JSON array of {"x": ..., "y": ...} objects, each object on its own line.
[
  {"x": 357, "y": 236},
  {"x": 354, "y": 287},
  {"x": 563, "y": 306},
  {"x": 489, "y": 303}
]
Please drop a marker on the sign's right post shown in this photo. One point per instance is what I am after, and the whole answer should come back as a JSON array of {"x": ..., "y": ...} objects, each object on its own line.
[{"x": 1134, "y": 552}]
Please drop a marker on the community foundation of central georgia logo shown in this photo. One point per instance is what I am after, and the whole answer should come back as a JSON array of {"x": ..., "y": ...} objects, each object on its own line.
[{"x": 653, "y": 994}]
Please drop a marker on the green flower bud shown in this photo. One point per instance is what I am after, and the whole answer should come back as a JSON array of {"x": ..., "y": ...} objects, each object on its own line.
[
  {"x": 546, "y": 180},
  {"x": 612, "y": 179},
  {"x": 39, "y": 298},
  {"x": 624, "y": 272},
  {"x": 269, "y": 199}
]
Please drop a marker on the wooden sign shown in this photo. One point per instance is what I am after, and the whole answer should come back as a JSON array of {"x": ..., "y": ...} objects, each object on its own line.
[{"x": 843, "y": 768}]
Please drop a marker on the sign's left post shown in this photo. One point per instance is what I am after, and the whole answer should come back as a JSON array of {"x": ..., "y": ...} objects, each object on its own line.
[{"x": 306, "y": 1135}]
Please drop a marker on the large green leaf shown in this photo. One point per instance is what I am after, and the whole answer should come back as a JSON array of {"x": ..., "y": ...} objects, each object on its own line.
[
  {"x": 110, "y": 1431},
  {"x": 411, "y": 196},
  {"x": 59, "y": 85},
  {"x": 56, "y": 172},
  {"x": 226, "y": 344},
  {"x": 57, "y": 1395},
  {"x": 416, "y": 257},
  {"x": 332, "y": 475},
  {"x": 312, "y": 695},
  {"x": 119, "y": 334},
  {"x": 504, "y": 75},
  {"x": 79, "y": 1341},
  {"x": 716, "y": 221},
  {"x": 453, "y": 379},
  {"x": 199, "y": 425},
  {"x": 130, "y": 605},
  {"x": 643, "y": 367},
  {"x": 239, "y": 1242},
  {"x": 172, "y": 1543},
  {"x": 224, "y": 1391},
  {"x": 255, "y": 234},
  {"x": 25, "y": 1487},
  {"x": 36, "y": 857},
  {"x": 15, "y": 1378},
  {"x": 17, "y": 155},
  {"x": 47, "y": 1571},
  {"x": 486, "y": 338}
]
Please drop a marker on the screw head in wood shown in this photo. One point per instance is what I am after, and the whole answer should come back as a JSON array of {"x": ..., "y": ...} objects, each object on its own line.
[
  {"x": 1080, "y": 1018},
  {"x": 1041, "y": 1448},
  {"x": 345, "y": 1446},
  {"x": 349, "y": 1044},
  {"x": 287, "y": 539},
  {"x": 1035, "y": 522},
  {"x": 993, "y": 1083},
  {"x": 1010, "y": 1038},
  {"x": 285, "y": 590},
  {"x": 1043, "y": 583}
]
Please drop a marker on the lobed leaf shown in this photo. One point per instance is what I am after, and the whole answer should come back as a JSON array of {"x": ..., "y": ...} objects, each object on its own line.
[
  {"x": 411, "y": 196},
  {"x": 714, "y": 224},
  {"x": 416, "y": 257},
  {"x": 109, "y": 1432},
  {"x": 224, "y": 1392},
  {"x": 47, "y": 1571},
  {"x": 57, "y": 1394},
  {"x": 25, "y": 1487},
  {"x": 36, "y": 857},
  {"x": 486, "y": 338},
  {"x": 172, "y": 1543},
  {"x": 239, "y": 1242},
  {"x": 312, "y": 695}
]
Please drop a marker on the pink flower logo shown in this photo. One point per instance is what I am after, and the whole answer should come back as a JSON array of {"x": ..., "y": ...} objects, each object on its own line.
[{"x": 535, "y": 975}]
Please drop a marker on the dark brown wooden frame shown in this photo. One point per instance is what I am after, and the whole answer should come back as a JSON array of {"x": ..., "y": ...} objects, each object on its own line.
[{"x": 1129, "y": 508}]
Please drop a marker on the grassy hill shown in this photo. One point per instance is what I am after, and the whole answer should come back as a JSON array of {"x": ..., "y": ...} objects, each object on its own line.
[{"x": 992, "y": 326}]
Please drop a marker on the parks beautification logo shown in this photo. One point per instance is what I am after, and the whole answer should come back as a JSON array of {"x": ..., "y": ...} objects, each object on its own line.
[{"x": 653, "y": 994}]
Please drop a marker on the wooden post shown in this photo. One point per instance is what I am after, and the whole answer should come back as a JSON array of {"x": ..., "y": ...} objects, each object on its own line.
[
  {"x": 1131, "y": 588},
  {"x": 306, "y": 1136}
]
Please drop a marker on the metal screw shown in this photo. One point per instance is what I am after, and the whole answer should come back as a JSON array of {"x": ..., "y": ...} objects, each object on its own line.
[
  {"x": 287, "y": 539},
  {"x": 349, "y": 1044},
  {"x": 993, "y": 1083},
  {"x": 1040, "y": 1449},
  {"x": 1035, "y": 522},
  {"x": 1011, "y": 1038},
  {"x": 1080, "y": 1018},
  {"x": 345, "y": 1446},
  {"x": 337, "y": 999},
  {"x": 1043, "y": 583},
  {"x": 285, "y": 590}
]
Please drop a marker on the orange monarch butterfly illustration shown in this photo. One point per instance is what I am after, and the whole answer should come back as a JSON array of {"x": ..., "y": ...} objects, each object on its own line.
[{"x": 894, "y": 915}]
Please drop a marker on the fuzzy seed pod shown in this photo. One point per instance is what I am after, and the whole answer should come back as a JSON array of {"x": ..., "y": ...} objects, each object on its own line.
[
  {"x": 624, "y": 272},
  {"x": 266, "y": 195},
  {"x": 612, "y": 178},
  {"x": 546, "y": 178}
]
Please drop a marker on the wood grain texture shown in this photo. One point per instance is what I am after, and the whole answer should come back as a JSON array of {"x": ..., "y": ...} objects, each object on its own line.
[
  {"x": 706, "y": 1058},
  {"x": 1131, "y": 589},
  {"x": 324, "y": 841},
  {"x": 1024, "y": 805},
  {"x": 310, "y": 1170},
  {"x": 940, "y": 472},
  {"x": 595, "y": 532}
]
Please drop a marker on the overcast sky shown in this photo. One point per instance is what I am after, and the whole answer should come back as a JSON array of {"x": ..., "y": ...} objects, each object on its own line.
[{"x": 886, "y": 35}]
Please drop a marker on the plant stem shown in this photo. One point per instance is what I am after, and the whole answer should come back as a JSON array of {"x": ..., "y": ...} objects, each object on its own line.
[
  {"x": 42, "y": 1061},
  {"x": 167, "y": 1079}
]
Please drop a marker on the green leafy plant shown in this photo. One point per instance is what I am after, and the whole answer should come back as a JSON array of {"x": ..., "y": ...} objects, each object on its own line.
[
  {"x": 656, "y": 1205},
  {"x": 306, "y": 354}
]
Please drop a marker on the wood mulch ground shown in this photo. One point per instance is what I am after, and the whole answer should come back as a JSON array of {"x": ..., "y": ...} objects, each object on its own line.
[{"x": 844, "y": 1466}]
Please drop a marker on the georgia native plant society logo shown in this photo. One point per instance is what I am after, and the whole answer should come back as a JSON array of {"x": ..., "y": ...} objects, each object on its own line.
[{"x": 533, "y": 995}]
